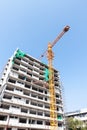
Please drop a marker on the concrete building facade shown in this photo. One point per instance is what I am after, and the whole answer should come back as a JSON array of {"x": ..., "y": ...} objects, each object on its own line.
[
  {"x": 24, "y": 95},
  {"x": 79, "y": 114}
]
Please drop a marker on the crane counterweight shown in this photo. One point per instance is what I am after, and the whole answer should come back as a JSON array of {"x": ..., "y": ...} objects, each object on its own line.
[{"x": 66, "y": 28}]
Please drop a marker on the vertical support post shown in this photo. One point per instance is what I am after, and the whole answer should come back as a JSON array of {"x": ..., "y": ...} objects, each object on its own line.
[{"x": 8, "y": 122}]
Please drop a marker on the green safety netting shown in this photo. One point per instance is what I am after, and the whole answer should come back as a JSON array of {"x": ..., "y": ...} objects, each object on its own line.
[
  {"x": 59, "y": 117},
  {"x": 46, "y": 74},
  {"x": 19, "y": 54},
  {"x": 44, "y": 63}
]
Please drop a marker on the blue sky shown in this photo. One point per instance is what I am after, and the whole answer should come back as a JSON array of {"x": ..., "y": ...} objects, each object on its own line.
[{"x": 30, "y": 24}]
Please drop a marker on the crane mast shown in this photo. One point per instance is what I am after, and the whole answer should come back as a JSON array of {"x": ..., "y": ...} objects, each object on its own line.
[
  {"x": 53, "y": 114},
  {"x": 50, "y": 56}
]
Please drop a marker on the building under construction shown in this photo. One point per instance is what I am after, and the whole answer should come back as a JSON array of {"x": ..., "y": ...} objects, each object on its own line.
[
  {"x": 25, "y": 96},
  {"x": 30, "y": 93}
]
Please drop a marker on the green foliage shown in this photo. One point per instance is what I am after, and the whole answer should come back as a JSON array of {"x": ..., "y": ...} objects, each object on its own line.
[{"x": 74, "y": 124}]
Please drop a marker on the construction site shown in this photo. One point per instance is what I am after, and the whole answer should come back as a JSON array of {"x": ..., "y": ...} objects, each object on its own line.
[{"x": 30, "y": 92}]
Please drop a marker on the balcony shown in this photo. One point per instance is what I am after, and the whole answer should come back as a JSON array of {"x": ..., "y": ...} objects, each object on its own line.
[
  {"x": 36, "y": 67},
  {"x": 35, "y": 77},
  {"x": 13, "y": 74},
  {"x": 18, "y": 101},
  {"x": 24, "y": 67},
  {"x": 20, "y": 84},
  {"x": 18, "y": 92},
  {"x": 36, "y": 72},
  {"x": 13, "y": 121},
  {"x": 22, "y": 71},
  {"x": 14, "y": 110},
  {"x": 25, "y": 62}
]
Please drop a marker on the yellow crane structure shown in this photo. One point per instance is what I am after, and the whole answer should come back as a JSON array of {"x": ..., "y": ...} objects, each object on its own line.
[{"x": 50, "y": 56}]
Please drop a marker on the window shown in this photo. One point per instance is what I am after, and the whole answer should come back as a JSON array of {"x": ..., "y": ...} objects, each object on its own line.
[
  {"x": 29, "y": 74},
  {"x": 45, "y": 92},
  {"x": 33, "y": 95},
  {"x": 21, "y": 129},
  {"x": 13, "y": 117},
  {"x": 10, "y": 88},
  {"x": 30, "y": 68},
  {"x": 22, "y": 120},
  {"x": 45, "y": 98},
  {"x": 40, "y": 105},
  {"x": 41, "y": 78},
  {"x": 31, "y": 121},
  {"x": 30, "y": 63},
  {"x": 21, "y": 77},
  {"x": 24, "y": 110},
  {"x": 26, "y": 93},
  {"x": 56, "y": 84},
  {"x": 22, "y": 70},
  {"x": 15, "y": 68},
  {"x": 31, "y": 59},
  {"x": 58, "y": 102},
  {"x": 23, "y": 65},
  {"x": 17, "y": 97},
  {"x": 20, "y": 83},
  {"x": 40, "y": 113},
  {"x": 20, "y": 90},
  {"x": 47, "y": 123},
  {"x": 9, "y": 128},
  {"x": 39, "y": 122},
  {"x": 11, "y": 80},
  {"x": 40, "y": 97},
  {"x": 17, "y": 63},
  {"x": 27, "y": 101},
  {"x": 27, "y": 86},
  {"x": 5, "y": 68},
  {"x": 33, "y": 103},
  {"x": 47, "y": 114},
  {"x": 3, "y": 117},
  {"x": 4, "y": 106},
  {"x": 4, "y": 74},
  {"x": 15, "y": 107},
  {"x": 59, "y": 125},
  {"x": 34, "y": 88},
  {"x": 28, "y": 80},
  {"x": 7, "y": 96},
  {"x": 33, "y": 112},
  {"x": 40, "y": 90},
  {"x": 57, "y": 95},
  {"x": 47, "y": 106},
  {"x": 57, "y": 108},
  {"x": 24, "y": 60}
]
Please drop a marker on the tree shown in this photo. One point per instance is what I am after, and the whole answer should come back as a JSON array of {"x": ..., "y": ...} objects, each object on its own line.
[{"x": 74, "y": 124}]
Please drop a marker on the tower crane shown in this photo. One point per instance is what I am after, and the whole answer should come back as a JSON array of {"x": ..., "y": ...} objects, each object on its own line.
[{"x": 50, "y": 56}]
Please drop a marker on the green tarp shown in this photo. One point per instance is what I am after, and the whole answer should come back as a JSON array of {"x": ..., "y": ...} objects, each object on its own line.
[
  {"x": 46, "y": 74},
  {"x": 19, "y": 54},
  {"x": 59, "y": 117}
]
